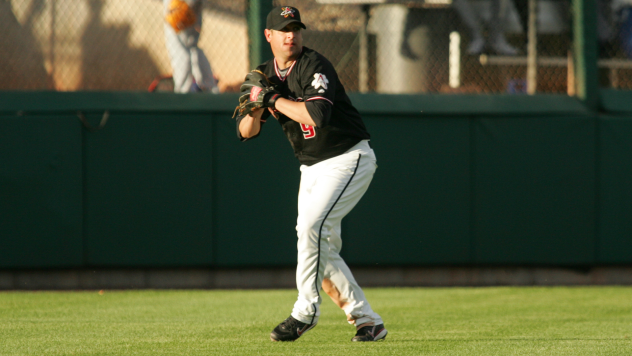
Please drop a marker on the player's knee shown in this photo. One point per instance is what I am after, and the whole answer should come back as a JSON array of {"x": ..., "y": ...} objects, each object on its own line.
[{"x": 311, "y": 228}]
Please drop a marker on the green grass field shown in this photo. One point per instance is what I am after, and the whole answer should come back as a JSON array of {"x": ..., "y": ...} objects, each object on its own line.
[{"x": 421, "y": 321}]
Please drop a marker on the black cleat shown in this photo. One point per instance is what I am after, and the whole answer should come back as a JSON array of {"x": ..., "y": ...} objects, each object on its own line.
[
  {"x": 370, "y": 333},
  {"x": 289, "y": 330}
]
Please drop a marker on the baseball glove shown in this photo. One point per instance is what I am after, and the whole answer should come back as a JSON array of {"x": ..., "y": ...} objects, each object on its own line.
[
  {"x": 180, "y": 15},
  {"x": 256, "y": 92}
]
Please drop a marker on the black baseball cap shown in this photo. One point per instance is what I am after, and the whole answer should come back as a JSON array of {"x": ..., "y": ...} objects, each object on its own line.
[{"x": 282, "y": 16}]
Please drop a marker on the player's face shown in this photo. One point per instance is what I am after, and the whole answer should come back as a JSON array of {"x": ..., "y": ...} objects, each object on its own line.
[{"x": 287, "y": 42}]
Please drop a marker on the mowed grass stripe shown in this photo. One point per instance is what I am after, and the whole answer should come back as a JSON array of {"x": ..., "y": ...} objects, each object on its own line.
[{"x": 421, "y": 321}]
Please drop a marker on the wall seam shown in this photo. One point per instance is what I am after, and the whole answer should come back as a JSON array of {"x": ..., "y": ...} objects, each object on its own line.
[
  {"x": 84, "y": 195},
  {"x": 214, "y": 190},
  {"x": 597, "y": 202},
  {"x": 472, "y": 155}
]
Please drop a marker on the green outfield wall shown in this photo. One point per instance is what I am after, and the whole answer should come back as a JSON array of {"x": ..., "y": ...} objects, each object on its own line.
[{"x": 462, "y": 180}]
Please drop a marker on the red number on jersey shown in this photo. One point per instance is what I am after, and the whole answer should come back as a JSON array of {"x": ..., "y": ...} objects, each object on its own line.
[{"x": 308, "y": 131}]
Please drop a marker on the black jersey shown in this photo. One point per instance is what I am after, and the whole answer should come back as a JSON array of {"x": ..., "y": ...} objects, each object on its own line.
[{"x": 312, "y": 79}]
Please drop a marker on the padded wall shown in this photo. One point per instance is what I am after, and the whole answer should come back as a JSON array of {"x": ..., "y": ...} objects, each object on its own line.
[
  {"x": 149, "y": 191},
  {"x": 470, "y": 181},
  {"x": 614, "y": 218},
  {"x": 534, "y": 190},
  {"x": 40, "y": 191}
]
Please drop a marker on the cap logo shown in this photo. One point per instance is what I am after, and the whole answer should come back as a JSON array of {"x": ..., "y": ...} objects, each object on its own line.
[{"x": 287, "y": 11}]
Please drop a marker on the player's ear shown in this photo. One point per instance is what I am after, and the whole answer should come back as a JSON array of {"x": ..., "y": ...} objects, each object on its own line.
[{"x": 268, "y": 34}]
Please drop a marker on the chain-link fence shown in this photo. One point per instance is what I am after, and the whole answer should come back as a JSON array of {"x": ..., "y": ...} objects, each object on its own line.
[
  {"x": 415, "y": 46},
  {"x": 70, "y": 45},
  {"x": 444, "y": 46}
]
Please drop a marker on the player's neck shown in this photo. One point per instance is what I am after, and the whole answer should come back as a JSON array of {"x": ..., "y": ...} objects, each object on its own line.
[{"x": 284, "y": 63}]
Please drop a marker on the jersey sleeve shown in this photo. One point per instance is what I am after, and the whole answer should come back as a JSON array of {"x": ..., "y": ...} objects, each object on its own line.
[{"x": 319, "y": 90}]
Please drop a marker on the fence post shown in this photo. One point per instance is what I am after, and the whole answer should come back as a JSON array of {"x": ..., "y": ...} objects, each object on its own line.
[
  {"x": 256, "y": 14},
  {"x": 585, "y": 52},
  {"x": 532, "y": 50}
]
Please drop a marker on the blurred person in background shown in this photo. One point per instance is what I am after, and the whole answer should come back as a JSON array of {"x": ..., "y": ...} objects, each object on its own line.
[
  {"x": 623, "y": 10},
  {"x": 496, "y": 40},
  {"x": 191, "y": 68}
]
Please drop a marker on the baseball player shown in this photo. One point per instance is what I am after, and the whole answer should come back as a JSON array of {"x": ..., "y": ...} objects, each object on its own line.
[
  {"x": 331, "y": 142},
  {"x": 191, "y": 69}
]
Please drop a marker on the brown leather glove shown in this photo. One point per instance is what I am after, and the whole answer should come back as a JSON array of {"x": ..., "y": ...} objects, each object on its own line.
[{"x": 256, "y": 92}]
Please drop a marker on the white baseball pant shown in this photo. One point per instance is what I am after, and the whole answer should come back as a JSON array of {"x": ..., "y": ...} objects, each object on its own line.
[{"x": 328, "y": 192}]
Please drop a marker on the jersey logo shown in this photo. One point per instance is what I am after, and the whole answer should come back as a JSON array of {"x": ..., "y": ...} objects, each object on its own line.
[
  {"x": 320, "y": 81},
  {"x": 308, "y": 131},
  {"x": 287, "y": 11}
]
